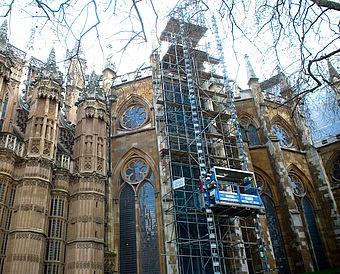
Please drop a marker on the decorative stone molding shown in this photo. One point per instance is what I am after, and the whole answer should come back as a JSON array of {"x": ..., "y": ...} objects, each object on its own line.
[
  {"x": 86, "y": 245},
  {"x": 89, "y": 111}
]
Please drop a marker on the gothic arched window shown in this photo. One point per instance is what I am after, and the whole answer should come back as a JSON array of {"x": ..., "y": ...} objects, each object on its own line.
[
  {"x": 273, "y": 224},
  {"x": 249, "y": 132},
  {"x": 275, "y": 235},
  {"x": 127, "y": 228},
  {"x": 136, "y": 176},
  {"x": 282, "y": 135},
  {"x": 314, "y": 234},
  {"x": 297, "y": 185}
]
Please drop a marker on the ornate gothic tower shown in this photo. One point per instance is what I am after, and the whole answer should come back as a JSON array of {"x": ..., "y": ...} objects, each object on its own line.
[
  {"x": 85, "y": 248},
  {"x": 26, "y": 247},
  {"x": 76, "y": 69}
]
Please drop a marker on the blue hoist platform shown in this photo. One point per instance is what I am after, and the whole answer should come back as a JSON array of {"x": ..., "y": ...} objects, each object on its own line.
[{"x": 231, "y": 187}]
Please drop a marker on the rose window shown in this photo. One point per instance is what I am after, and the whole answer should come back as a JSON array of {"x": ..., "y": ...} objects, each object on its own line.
[
  {"x": 282, "y": 135},
  {"x": 134, "y": 117},
  {"x": 135, "y": 171}
]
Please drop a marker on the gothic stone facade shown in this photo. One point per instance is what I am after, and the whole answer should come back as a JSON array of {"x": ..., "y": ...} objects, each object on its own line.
[{"x": 64, "y": 210}]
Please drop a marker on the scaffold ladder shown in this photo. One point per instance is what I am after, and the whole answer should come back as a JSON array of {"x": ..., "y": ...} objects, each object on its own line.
[
  {"x": 200, "y": 153},
  {"x": 214, "y": 248}
]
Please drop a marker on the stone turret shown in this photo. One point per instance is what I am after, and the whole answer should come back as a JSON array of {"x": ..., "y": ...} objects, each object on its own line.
[
  {"x": 85, "y": 247},
  {"x": 27, "y": 246}
]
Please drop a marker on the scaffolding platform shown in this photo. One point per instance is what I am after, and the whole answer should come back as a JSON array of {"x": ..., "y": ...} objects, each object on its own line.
[
  {"x": 232, "y": 187},
  {"x": 172, "y": 31}
]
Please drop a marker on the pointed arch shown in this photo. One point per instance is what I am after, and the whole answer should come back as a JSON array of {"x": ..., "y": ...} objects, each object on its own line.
[
  {"x": 134, "y": 153},
  {"x": 249, "y": 128},
  {"x": 280, "y": 122},
  {"x": 333, "y": 165},
  {"x": 310, "y": 192},
  {"x": 269, "y": 183},
  {"x": 243, "y": 115}
]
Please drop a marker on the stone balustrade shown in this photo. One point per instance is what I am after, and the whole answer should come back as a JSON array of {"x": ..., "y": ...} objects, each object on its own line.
[
  {"x": 63, "y": 161},
  {"x": 11, "y": 142}
]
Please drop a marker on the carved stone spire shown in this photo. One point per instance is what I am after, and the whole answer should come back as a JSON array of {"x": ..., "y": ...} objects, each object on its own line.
[
  {"x": 250, "y": 71},
  {"x": 50, "y": 70},
  {"x": 3, "y": 36},
  {"x": 92, "y": 90}
]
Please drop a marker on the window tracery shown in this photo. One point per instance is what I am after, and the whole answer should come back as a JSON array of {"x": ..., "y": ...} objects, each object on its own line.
[
  {"x": 248, "y": 132},
  {"x": 134, "y": 117},
  {"x": 135, "y": 170},
  {"x": 282, "y": 135},
  {"x": 137, "y": 177},
  {"x": 297, "y": 185}
]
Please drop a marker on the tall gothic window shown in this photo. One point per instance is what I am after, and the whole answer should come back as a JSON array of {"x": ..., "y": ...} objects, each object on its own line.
[
  {"x": 249, "y": 133},
  {"x": 134, "y": 173},
  {"x": 314, "y": 234},
  {"x": 310, "y": 226},
  {"x": 127, "y": 228},
  {"x": 148, "y": 230},
  {"x": 273, "y": 226}
]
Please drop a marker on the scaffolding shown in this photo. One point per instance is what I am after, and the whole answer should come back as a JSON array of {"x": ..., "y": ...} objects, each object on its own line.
[{"x": 199, "y": 140}]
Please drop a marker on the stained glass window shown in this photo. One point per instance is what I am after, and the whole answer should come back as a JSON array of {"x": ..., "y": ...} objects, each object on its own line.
[
  {"x": 134, "y": 117},
  {"x": 127, "y": 228},
  {"x": 248, "y": 132},
  {"x": 314, "y": 234},
  {"x": 275, "y": 235},
  {"x": 282, "y": 135},
  {"x": 253, "y": 138},
  {"x": 243, "y": 134},
  {"x": 149, "y": 254},
  {"x": 135, "y": 170}
]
